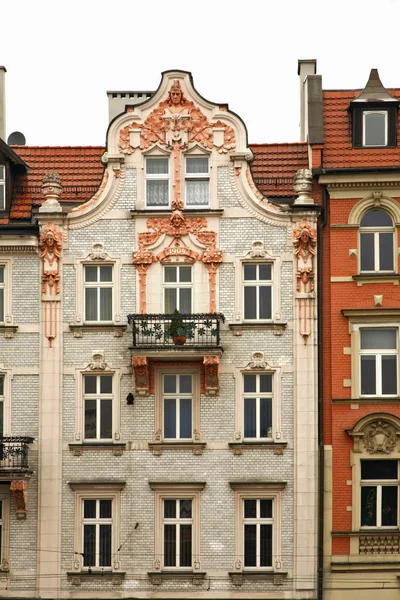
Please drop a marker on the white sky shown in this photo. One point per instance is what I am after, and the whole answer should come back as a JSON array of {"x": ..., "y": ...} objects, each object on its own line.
[{"x": 62, "y": 56}]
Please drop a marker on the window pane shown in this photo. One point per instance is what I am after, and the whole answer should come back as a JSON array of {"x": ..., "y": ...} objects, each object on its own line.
[
  {"x": 367, "y": 252},
  {"x": 1, "y": 172},
  {"x": 378, "y": 469},
  {"x": 105, "y": 384},
  {"x": 169, "y": 384},
  {"x": 170, "y": 274},
  {"x": 170, "y": 300},
  {"x": 250, "y": 272},
  {"x": 105, "y": 509},
  {"x": 89, "y": 509},
  {"x": 185, "y": 510},
  {"x": 368, "y": 375},
  {"x": 375, "y": 128},
  {"x": 250, "y": 310},
  {"x": 90, "y": 384},
  {"x": 185, "y": 274},
  {"x": 106, "y": 419},
  {"x": 169, "y": 509},
  {"x": 266, "y": 546},
  {"x": 2, "y": 196},
  {"x": 250, "y": 417},
  {"x": 266, "y": 509},
  {"x": 197, "y": 164},
  {"x": 157, "y": 166},
  {"x": 376, "y": 218},
  {"x": 1, "y": 386},
  {"x": 91, "y": 304},
  {"x": 265, "y": 302},
  {"x": 250, "y": 509},
  {"x": 105, "y": 304},
  {"x": 185, "y": 301},
  {"x": 264, "y": 272},
  {"x": 169, "y": 545},
  {"x": 389, "y": 505},
  {"x": 185, "y": 546},
  {"x": 250, "y": 546},
  {"x": 249, "y": 383},
  {"x": 1, "y": 274},
  {"x": 386, "y": 251},
  {"x": 379, "y": 339},
  {"x": 157, "y": 192},
  {"x": 265, "y": 417},
  {"x": 185, "y": 384},
  {"x": 89, "y": 545},
  {"x": 2, "y": 305},
  {"x": 1, "y": 432},
  {"x": 105, "y": 546},
  {"x": 106, "y": 273},
  {"x": 368, "y": 505},
  {"x": 90, "y": 274},
  {"x": 90, "y": 419},
  {"x": 185, "y": 418},
  {"x": 169, "y": 418},
  {"x": 389, "y": 374},
  {"x": 197, "y": 192},
  {"x": 266, "y": 383}
]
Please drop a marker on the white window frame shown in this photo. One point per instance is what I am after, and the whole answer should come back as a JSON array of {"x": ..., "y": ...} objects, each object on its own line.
[
  {"x": 378, "y": 353},
  {"x": 197, "y": 177},
  {"x": 99, "y": 257},
  {"x": 3, "y": 186},
  {"x": 7, "y": 264},
  {"x": 157, "y": 177},
  {"x": 99, "y": 285},
  {"x": 379, "y": 483},
  {"x": 159, "y": 403},
  {"x": 98, "y": 397},
  {"x": 178, "y": 285},
  {"x": 177, "y": 522},
  {"x": 93, "y": 369},
  {"x": 173, "y": 491},
  {"x": 258, "y": 283},
  {"x": 258, "y": 396},
  {"x": 377, "y": 231},
  {"x": 6, "y": 375},
  {"x": 258, "y": 491},
  {"x": 365, "y": 114},
  {"x": 5, "y": 528},
  {"x": 178, "y": 396},
  {"x": 93, "y": 491}
]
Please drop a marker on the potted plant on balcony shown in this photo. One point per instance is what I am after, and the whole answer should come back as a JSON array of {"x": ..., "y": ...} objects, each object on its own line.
[{"x": 177, "y": 329}]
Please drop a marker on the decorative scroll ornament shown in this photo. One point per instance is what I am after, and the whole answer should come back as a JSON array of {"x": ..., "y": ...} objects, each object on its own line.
[
  {"x": 304, "y": 242},
  {"x": 257, "y": 362},
  {"x": 257, "y": 250},
  {"x": 177, "y": 226},
  {"x": 141, "y": 373},
  {"x": 50, "y": 244},
  {"x": 20, "y": 493},
  {"x": 303, "y": 186},
  {"x": 211, "y": 364},
  {"x": 380, "y": 438},
  {"x": 98, "y": 363},
  {"x": 97, "y": 252}
]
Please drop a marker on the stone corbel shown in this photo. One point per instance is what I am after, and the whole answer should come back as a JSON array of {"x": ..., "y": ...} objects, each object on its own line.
[
  {"x": 20, "y": 493},
  {"x": 141, "y": 374},
  {"x": 211, "y": 375}
]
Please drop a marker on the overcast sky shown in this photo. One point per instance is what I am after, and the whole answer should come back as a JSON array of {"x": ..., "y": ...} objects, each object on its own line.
[{"x": 62, "y": 56}]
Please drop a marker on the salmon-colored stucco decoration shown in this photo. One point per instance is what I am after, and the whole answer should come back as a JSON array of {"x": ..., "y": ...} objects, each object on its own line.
[
  {"x": 20, "y": 493},
  {"x": 211, "y": 364},
  {"x": 304, "y": 242},
  {"x": 141, "y": 371},
  {"x": 50, "y": 244}
]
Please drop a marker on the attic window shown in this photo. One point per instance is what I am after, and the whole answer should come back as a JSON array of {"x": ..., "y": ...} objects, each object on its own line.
[
  {"x": 2, "y": 187},
  {"x": 375, "y": 128}
]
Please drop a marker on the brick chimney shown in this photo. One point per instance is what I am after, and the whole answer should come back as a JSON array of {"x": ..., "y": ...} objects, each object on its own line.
[{"x": 3, "y": 72}]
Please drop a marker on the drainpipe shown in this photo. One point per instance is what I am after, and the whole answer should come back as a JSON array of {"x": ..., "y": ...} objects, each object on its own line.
[{"x": 3, "y": 72}]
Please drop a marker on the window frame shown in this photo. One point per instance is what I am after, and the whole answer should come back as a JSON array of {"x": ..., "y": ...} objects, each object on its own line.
[
  {"x": 379, "y": 484},
  {"x": 178, "y": 285},
  {"x": 366, "y": 113},
  {"x": 98, "y": 285},
  {"x": 358, "y": 123},
  {"x": 3, "y": 186},
  {"x": 156, "y": 177},
  {"x": 98, "y": 397},
  {"x": 376, "y": 231},
  {"x": 378, "y": 353},
  {"x": 173, "y": 491},
  {"x": 258, "y": 284},
  {"x": 206, "y": 176},
  {"x": 258, "y": 395},
  {"x": 93, "y": 491}
]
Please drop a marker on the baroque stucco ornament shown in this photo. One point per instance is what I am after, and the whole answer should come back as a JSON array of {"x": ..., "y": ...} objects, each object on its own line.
[
  {"x": 304, "y": 243},
  {"x": 50, "y": 244},
  {"x": 380, "y": 438}
]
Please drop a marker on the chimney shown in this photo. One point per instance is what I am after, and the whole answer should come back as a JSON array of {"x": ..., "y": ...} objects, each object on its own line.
[
  {"x": 117, "y": 101},
  {"x": 3, "y": 72},
  {"x": 304, "y": 69}
]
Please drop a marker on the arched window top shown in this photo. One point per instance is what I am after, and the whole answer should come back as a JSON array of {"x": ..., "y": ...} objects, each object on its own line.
[{"x": 376, "y": 218}]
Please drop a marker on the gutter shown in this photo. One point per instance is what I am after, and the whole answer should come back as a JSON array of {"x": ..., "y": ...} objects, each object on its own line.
[{"x": 355, "y": 170}]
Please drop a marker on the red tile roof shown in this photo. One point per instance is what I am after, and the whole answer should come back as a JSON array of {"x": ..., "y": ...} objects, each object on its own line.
[
  {"x": 275, "y": 165},
  {"x": 338, "y": 151},
  {"x": 79, "y": 167}
]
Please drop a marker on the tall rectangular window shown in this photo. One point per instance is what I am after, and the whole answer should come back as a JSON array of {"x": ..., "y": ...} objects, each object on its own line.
[
  {"x": 2, "y": 294},
  {"x": 98, "y": 293},
  {"x": 177, "y": 406},
  {"x": 98, "y": 401},
  {"x": 2, "y": 406},
  {"x": 157, "y": 182},
  {"x": 197, "y": 181},
  {"x": 379, "y": 493},
  {"x": 97, "y": 533},
  {"x": 379, "y": 362},
  {"x": 2, "y": 187},
  {"x": 177, "y": 532},
  {"x": 257, "y": 533},
  {"x": 178, "y": 289},
  {"x": 257, "y": 403},
  {"x": 257, "y": 290}
]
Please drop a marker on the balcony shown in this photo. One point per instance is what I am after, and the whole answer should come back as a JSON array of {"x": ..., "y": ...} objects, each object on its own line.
[
  {"x": 169, "y": 331},
  {"x": 14, "y": 454}
]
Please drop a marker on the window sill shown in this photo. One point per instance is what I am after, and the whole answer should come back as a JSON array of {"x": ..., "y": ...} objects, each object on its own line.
[
  {"x": 77, "y": 449},
  {"x": 76, "y": 577},
  {"x": 377, "y": 278},
  {"x": 278, "y": 327},
  {"x": 276, "y": 577},
  {"x": 239, "y": 447},
  {"x": 157, "y": 577},
  {"x": 79, "y": 329},
  {"x": 167, "y": 209},
  {"x": 158, "y": 448},
  {"x": 8, "y": 330}
]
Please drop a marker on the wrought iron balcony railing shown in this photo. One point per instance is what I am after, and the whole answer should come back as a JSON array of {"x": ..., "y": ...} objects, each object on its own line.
[
  {"x": 169, "y": 330},
  {"x": 14, "y": 453}
]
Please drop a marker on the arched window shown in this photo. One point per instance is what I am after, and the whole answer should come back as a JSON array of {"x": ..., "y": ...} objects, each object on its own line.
[{"x": 376, "y": 242}]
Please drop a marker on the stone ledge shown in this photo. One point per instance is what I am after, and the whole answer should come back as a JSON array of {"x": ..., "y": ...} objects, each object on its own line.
[
  {"x": 78, "y": 329},
  {"x": 158, "y": 448},
  {"x": 239, "y": 447},
  {"x": 115, "y": 577},
  {"x": 8, "y": 330},
  {"x": 276, "y": 577},
  {"x": 157, "y": 577},
  {"x": 77, "y": 449}
]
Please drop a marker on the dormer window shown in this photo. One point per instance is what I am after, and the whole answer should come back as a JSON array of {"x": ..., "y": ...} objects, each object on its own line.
[
  {"x": 2, "y": 187},
  {"x": 375, "y": 128}
]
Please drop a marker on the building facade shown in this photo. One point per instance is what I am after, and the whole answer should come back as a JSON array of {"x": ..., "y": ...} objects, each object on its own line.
[{"x": 159, "y": 361}]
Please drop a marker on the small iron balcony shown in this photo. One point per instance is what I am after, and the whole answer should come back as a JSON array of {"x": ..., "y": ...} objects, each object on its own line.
[
  {"x": 14, "y": 453},
  {"x": 169, "y": 330}
]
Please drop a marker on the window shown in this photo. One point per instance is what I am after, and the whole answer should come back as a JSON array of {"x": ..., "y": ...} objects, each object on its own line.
[
  {"x": 378, "y": 362},
  {"x": 157, "y": 182},
  {"x": 257, "y": 284},
  {"x": 98, "y": 406},
  {"x": 2, "y": 292},
  {"x": 177, "y": 526},
  {"x": 97, "y": 516},
  {"x": 376, "y": 242},
  {"x": 177, "y": 532},
  {"x": 257, "y": 405},
  {"x": 178, "y": 289},
  {"x": 2, "y": 187},
  {"x": 4, "y": 527},
  {"x": 379, "y": 493},
  {"x": 375, "y": 126},
  {"x": 258, "y": 526},
  {"x": 98, "y": 293},
  {"x": 1, "y": 405},
  {"x": 197, "y": 181},
  {"x": 177, "y": 406}
]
